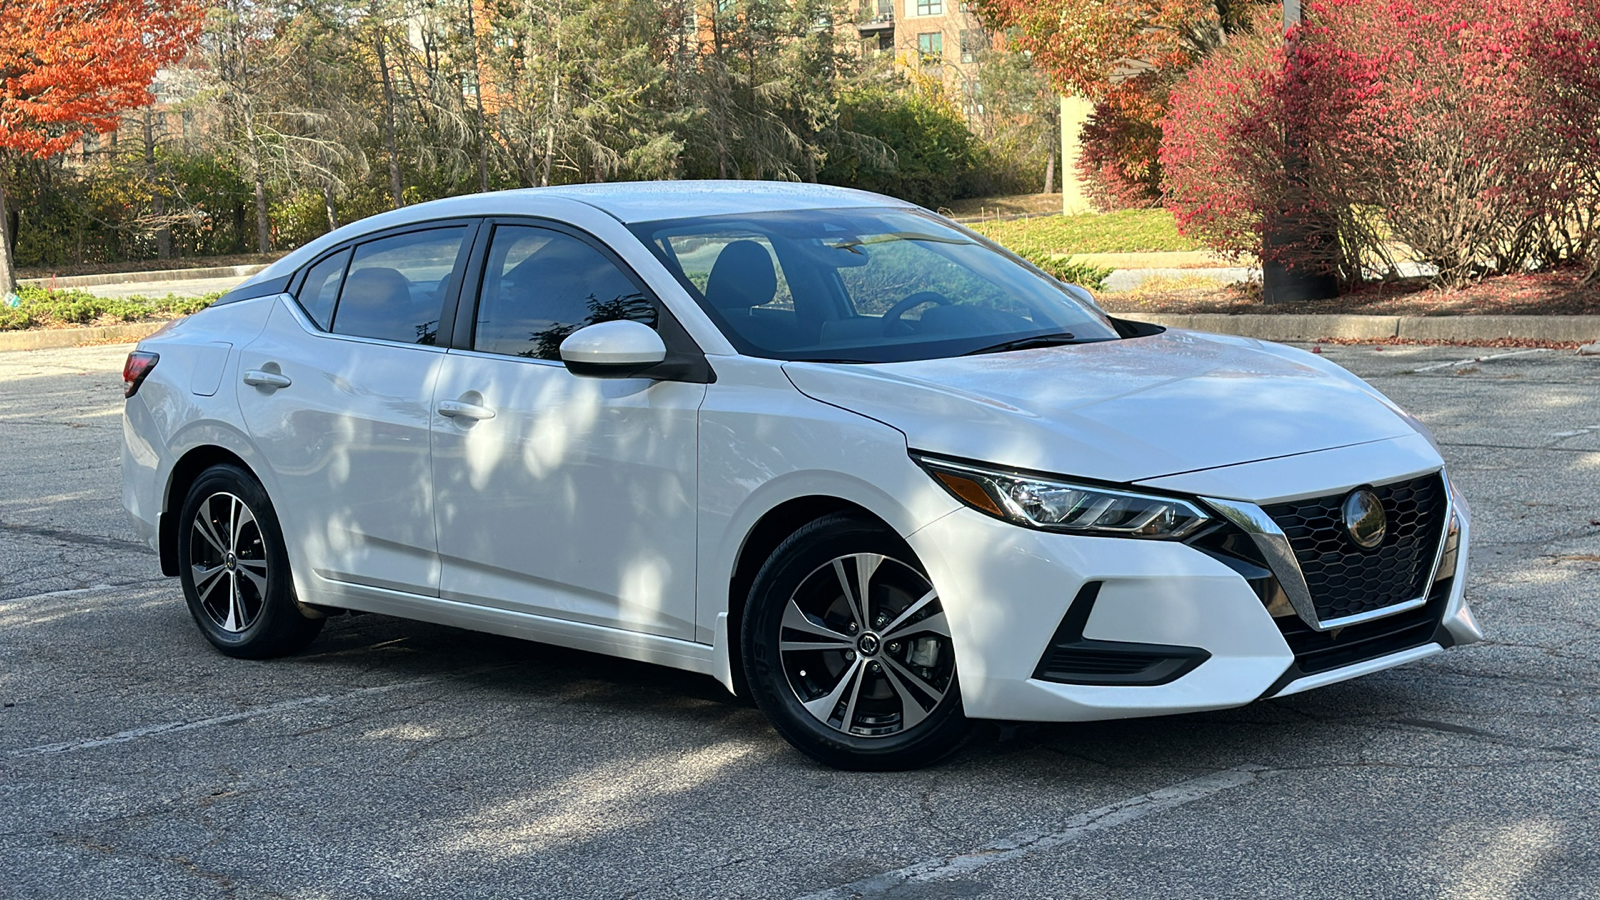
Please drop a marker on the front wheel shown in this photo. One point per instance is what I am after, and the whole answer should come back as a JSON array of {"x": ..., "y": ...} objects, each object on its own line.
[
  {"x": 235, "y": 569},
  {"x": 847, "y": 651}
]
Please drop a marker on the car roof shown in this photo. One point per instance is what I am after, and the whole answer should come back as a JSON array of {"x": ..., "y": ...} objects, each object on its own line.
[{"x": 644, "y": 201}]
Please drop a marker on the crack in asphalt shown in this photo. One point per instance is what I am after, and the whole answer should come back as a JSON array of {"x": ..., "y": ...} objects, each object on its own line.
[
  {"x": 166, "y": 728},
  {"x": 1517, "y": 447},
  {"x": 1026, "y": 843},
  {"x": 63, "y": 424},
  {"x": 73, "y": 537},
  {"x": 226, "y": 883}
]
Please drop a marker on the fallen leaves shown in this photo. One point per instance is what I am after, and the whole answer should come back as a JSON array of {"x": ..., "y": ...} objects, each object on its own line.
[{"x": 1558, "y": 292}]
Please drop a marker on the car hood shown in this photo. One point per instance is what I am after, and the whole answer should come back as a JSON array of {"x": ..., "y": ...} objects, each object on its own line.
[{"x": 1120, "y": 411}]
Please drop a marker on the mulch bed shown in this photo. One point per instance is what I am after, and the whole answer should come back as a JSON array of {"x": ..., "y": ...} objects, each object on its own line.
[
  {"x": 1497, "y": 343},
  {"x": 1555, "y": 293}
]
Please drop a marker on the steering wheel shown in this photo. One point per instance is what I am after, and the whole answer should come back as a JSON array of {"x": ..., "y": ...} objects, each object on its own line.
[{"x": 893, "y": 324}]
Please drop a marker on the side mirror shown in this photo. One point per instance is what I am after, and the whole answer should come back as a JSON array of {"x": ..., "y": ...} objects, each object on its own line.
[{"x": 619, "y": 349}]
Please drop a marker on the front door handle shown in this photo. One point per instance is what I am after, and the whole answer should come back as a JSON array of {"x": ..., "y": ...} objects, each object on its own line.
[
  {"x": 453, "y": 409},
  {"x": 263, "y": 378}
]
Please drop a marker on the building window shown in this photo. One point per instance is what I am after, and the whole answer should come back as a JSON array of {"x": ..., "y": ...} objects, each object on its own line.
[
  {"x": 973, "y": 42},
  {"x": 930, "y": 7},
  {"x": 931, "y": 48}
]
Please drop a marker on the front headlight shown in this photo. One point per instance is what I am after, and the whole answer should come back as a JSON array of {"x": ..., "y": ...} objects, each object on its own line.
[{"x": 1054, "y": 505}]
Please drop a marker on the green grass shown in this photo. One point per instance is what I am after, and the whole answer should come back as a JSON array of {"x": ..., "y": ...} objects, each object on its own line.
[
  {"x": 1071, "y": 271},
  {"x": 1126, "y": 231},
  {"x": 40, "y": 308}
]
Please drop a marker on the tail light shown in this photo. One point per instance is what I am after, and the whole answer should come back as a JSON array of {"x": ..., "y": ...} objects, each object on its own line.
[{"x": 139, "y": 365}]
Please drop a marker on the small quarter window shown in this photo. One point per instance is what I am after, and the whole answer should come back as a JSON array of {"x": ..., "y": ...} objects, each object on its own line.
[
  {"x": 395, "y": 289},
  {"x": 321, "y": 288},
  {"x": 542, "y": 285}
]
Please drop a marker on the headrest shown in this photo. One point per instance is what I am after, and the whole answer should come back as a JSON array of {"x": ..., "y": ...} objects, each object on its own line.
[
  {"x": 742, "y": 277},
  {"x": 377, "y": 286}
]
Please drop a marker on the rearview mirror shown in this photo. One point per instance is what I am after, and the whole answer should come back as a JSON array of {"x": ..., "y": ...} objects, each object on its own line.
[{"x": 617, "y": 349}]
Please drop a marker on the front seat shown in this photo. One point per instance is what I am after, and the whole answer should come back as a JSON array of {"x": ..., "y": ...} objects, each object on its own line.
[{"x": 743, "y": 278}]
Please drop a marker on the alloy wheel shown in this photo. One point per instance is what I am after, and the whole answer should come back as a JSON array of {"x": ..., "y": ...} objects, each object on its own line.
[
  {"x": 865, "y": 646},
  {"x": 228, "y": 562}
]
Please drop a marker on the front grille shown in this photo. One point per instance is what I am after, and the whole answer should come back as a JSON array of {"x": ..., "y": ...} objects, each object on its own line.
[
  {"x": 1320, "y": 651},
  {"x": 1346, "y": 580}
]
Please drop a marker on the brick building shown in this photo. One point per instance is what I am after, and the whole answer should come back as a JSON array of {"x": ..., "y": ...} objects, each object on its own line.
[{"x": 941, "y": 38}]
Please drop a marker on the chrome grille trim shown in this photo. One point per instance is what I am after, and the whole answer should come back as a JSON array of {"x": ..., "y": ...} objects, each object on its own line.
[{"x": 1274, "y": 545}]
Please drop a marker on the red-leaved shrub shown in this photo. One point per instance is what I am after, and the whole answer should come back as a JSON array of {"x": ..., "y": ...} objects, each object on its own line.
[
  {"x": 1121, "y": 144},
  {"x": 1461, "y": 132},
  {"x": 1564, "y": 50}
]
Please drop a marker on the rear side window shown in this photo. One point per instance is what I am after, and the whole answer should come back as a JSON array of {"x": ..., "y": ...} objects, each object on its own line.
[
  {"x": 321, "y": 288},
  {"x": 395, "y": 287},
  {"x": 542, "y": 285}
]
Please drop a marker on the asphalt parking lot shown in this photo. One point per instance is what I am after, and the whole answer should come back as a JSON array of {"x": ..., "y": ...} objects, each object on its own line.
[{"x": 397, "y": 759}]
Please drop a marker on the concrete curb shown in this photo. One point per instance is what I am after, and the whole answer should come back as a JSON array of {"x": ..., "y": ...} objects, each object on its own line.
[
  {"x": 81, "y": 281},
  {"x": 55, "y": 338},
  {"x": 1291, "y": 327},
  {"x": 1159, "y": 259}
]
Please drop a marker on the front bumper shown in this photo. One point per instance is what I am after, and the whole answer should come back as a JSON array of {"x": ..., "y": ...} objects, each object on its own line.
[{"x": 1006, "y": 591}]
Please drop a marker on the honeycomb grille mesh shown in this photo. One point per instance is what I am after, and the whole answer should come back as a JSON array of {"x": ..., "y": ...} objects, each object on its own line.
[{"x": 1346, "y": 580}]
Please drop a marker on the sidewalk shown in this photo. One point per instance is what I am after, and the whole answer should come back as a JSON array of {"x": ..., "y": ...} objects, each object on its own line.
[
  {"x": 1170, "y": 259},
  {"x": 159, "y": 275},
  {"x": 183, "y": 282}
]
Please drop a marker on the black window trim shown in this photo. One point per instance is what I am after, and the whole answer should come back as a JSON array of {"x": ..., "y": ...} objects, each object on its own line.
[
  {"x": 452, "y": 294},
  {"x": 297, "y": 282},
  {"x": 685, "y": 361}
]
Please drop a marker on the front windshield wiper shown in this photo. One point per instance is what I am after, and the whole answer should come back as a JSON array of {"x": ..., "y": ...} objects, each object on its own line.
[
  {"x": 1028, "y": 343},
  {"x": 853, "y": 243}
]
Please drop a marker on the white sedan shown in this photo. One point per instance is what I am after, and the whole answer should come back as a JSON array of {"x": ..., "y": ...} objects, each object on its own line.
[{"x": 848, "y": 458}]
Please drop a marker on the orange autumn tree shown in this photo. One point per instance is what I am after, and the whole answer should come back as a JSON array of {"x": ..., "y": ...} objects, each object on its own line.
[
  {"x": 71, "y": 66},
  {"x": 1123, "y": 56}
]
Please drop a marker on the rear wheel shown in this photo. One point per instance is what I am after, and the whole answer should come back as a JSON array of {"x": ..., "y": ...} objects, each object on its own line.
[
  {"x": 235, "y": 570},
  {"x": 847, "y": 650}
]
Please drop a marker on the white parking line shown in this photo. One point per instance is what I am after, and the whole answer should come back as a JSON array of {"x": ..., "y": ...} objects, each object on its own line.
[
  {"x": 1024, "y": 843},
  {"x": 1476, "y": 359},
  {"x": 134, "y": 734}
]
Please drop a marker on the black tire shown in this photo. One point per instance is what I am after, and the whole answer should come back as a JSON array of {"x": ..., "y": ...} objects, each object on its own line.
[
  {"x": 849, "y": 705},
  {"x": 235, "y": 569}
]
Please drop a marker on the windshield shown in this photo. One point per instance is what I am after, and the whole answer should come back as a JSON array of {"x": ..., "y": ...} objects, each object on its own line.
[{"x": 865, "y": 285}]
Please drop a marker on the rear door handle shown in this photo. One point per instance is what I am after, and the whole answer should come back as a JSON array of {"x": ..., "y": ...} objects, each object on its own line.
[
  {"x": 261, "y": 378},
  {"x": 453, "y": 409}
]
